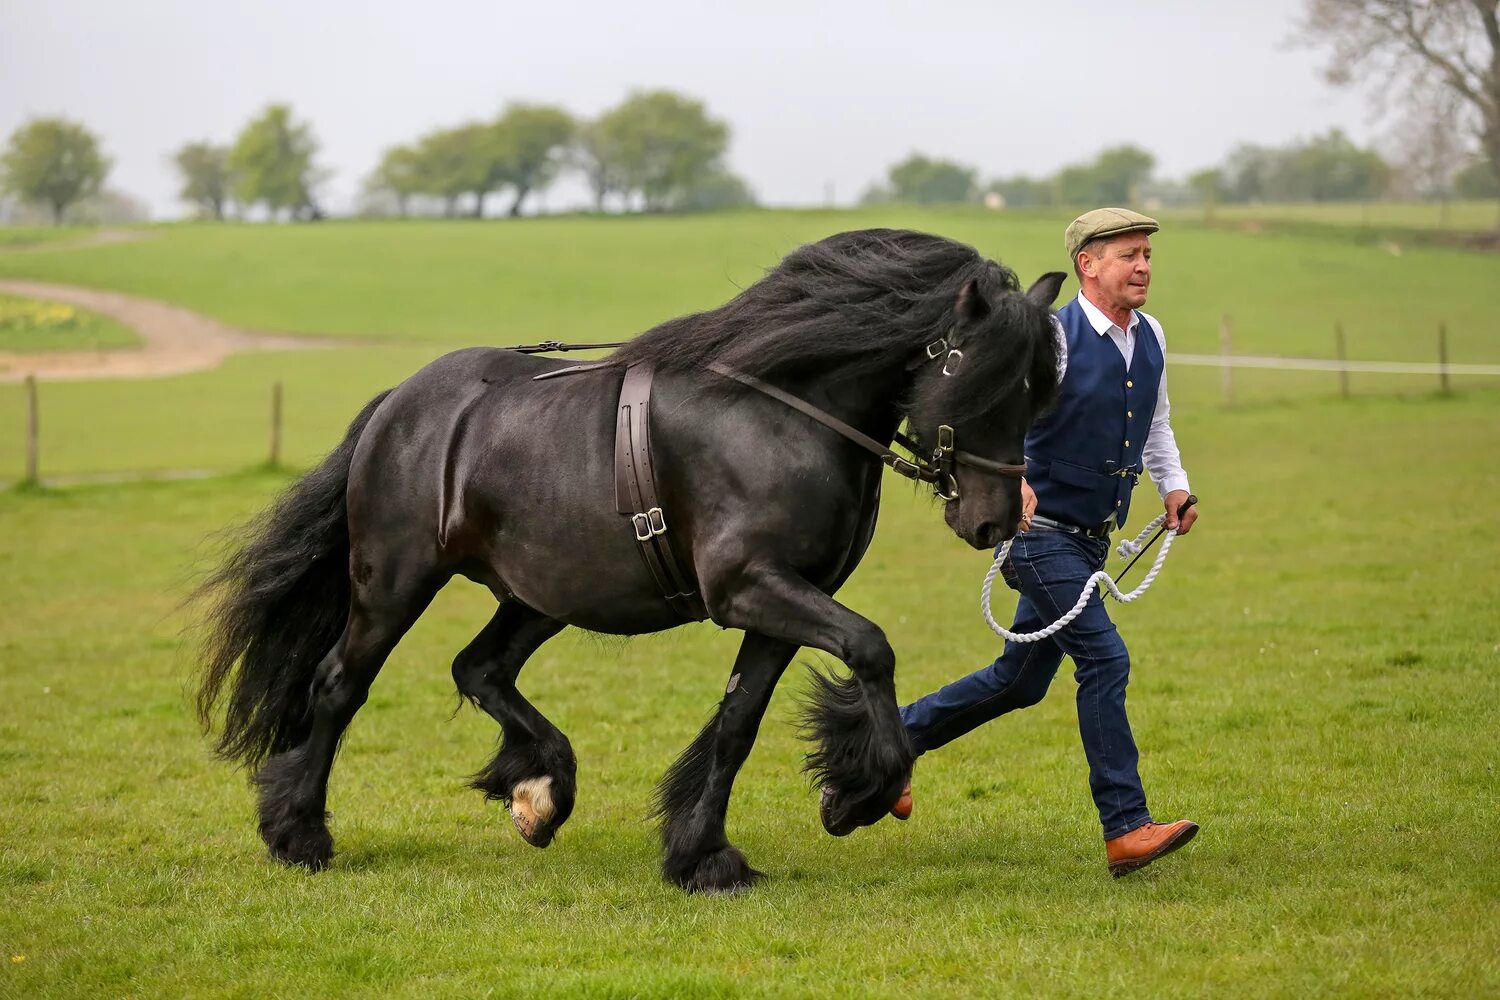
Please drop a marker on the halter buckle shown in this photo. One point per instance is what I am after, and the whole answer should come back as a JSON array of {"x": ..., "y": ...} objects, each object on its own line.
[
  {"x": 936, "y": 348},
  {"x": 944, "y": 439},
  {"x": 955, "y": 358},
  {"x": 952, "y": 492}
]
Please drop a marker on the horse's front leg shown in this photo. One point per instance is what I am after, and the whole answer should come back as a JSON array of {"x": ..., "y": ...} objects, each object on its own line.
[
  {"x": 864, "y": 756},
  {"x": 694, "y": 795}
]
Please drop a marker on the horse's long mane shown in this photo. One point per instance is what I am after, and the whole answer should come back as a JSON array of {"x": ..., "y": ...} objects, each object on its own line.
[
  {"x": 850, "y": 299},
  {"x": 854, "y": 302}
]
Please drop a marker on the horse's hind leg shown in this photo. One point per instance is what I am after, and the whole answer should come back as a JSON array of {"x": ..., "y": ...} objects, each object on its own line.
[
  {"x": 294, "y": 785},
  {"x": 694, "y": 796},
  {"x": 534, "y": 771}
]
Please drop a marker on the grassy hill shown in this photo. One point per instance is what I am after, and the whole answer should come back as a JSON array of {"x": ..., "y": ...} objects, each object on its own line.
[{"x": 495, "y": 282}]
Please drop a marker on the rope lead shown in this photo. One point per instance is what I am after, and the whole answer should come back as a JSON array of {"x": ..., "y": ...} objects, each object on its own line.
[{"x": 1132, "y": 547}]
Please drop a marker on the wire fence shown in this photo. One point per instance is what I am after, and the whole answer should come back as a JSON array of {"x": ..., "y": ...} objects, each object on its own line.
[{"x": 1441, "y": 369}]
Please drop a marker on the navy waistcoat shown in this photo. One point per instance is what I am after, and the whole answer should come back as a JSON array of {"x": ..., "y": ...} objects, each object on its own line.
[{"x": 1083, "y": 457}]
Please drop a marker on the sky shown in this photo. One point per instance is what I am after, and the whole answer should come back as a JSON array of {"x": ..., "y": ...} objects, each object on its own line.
[{"x": 820, "y": 97}]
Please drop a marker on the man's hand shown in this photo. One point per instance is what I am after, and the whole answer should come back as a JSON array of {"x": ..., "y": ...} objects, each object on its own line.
[
  {"x": 1028, "y": 504},
  {"x": 1174, "y": 500}
]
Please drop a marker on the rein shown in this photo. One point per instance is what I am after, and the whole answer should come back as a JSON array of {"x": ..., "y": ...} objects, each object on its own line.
[
  {"x": 557, "y": 345},
  {"x": 937, "y": 470}
]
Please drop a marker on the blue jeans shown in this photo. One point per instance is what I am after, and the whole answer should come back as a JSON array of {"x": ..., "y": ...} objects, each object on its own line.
[{"x": 1049, "y": 568}]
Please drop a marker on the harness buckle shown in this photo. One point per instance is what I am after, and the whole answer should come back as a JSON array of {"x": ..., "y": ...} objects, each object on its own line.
[
  {"x": 936, "y": 348},
  {"x": 902, "y": 467},
  {"x": 955, "y": 358},
  {"x": 649, "y": 524},
  {"x": 944, "y": 439}
]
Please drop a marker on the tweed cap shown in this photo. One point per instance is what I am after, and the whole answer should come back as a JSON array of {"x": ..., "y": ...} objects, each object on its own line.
[{"x": 1104, "y": 222}]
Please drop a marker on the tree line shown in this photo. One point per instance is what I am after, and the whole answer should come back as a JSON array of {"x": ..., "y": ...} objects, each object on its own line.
[
  {"x": 657, "y": 151},
  {"x": 1435, "y": 68},
  {"x": 1328, "y": 167}
]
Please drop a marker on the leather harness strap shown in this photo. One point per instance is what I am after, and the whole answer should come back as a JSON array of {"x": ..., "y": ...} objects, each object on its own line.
[
  {"x": 826, "y": 419},
  {"x": 938, "y": 471},
  {"x": 635, "y": 479},
  {"x": 636, "y": 495}
]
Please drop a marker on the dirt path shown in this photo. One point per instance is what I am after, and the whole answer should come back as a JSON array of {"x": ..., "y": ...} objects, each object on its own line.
[
  {"x": 176, "y": 340},
  {"x": 99, "y": 238}
]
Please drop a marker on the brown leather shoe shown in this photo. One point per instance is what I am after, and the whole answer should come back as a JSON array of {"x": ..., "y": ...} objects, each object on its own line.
[
  {"x": 902, "y": 809},
  {"x": 1145, "y": 844}
]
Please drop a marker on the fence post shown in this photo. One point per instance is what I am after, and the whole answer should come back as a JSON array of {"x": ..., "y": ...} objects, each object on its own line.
[
  {"x": 1342, "y": 355},
  {"x": 1443, "y": 357},
  {"x": 32, "y": 431},
  {"x": 276, "y": 425},
  {"x": 1224, "y": 354}
]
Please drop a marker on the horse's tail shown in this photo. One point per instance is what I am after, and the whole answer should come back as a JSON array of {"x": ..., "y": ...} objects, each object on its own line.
[{"x": 275, "y": 608}]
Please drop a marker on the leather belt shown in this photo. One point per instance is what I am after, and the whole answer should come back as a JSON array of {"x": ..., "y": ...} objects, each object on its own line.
[
  {"x": 635, "y": 494},
  {"x": 1097, "y": 531}
]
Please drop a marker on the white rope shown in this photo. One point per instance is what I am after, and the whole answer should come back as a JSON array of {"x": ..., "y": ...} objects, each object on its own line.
[{"x": 1125, "y": 549}]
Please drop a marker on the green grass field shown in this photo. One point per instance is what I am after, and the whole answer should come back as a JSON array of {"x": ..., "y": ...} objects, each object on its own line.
[
  {"x": 35, "y": 325},
  {"x": 16, "y": 237},
  {"x": 1315, "y": 672},
  {"x": 1456, "y": 216}
]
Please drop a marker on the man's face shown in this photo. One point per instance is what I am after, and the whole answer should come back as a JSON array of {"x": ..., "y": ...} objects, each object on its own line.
[{"x": 1122, "y": 270}]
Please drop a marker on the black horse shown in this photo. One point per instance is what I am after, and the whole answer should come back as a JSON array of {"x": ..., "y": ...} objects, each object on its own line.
[{"x": 474, "y": 467}]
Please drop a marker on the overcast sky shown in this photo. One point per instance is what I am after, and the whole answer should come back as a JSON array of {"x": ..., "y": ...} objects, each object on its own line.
[{"x": 817, "y": 94}]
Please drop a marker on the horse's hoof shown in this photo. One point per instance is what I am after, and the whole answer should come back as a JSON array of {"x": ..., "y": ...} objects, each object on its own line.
[
  {"x": 532, "y": 809},
  {"x": 301, "y": 847},
  {"x": 838, "y": 828},
  {"x": 719, "y": 872}
]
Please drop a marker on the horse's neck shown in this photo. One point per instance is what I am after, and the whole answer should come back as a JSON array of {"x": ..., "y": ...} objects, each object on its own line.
[{"x": 871, "y": 402}]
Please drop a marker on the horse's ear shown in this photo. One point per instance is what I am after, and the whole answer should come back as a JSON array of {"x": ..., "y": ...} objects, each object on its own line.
[
  {"x": 971, "y": 304},
  {"x": 1044, "y": 291}
]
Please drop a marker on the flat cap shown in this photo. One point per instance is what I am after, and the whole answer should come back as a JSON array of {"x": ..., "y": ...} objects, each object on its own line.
[{"x": 1103, "y": 222}]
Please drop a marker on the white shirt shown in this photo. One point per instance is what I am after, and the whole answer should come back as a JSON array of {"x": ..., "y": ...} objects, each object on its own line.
[{"x": 1160, "y": 455}]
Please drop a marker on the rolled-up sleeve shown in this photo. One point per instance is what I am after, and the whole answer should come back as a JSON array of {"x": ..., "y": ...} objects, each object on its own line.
[{"x": 1160, "y": 455}]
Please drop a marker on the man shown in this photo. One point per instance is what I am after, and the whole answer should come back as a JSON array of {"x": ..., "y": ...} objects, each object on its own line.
[{"x": 1082, "y": 461}]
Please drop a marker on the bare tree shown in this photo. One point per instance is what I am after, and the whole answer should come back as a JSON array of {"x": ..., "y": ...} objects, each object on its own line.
[
  {"x": 1404, "y": 44},
  {"x": 1429, "y": 146}
]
